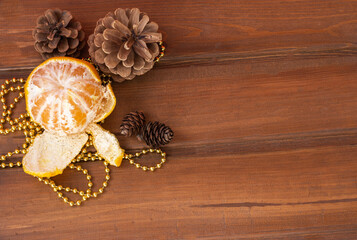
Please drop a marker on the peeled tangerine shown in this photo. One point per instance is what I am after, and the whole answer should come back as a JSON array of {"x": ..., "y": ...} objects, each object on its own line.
[{"x": 65, "y": 96}]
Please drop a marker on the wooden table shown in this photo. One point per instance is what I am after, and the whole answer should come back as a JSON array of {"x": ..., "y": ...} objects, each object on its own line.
[{"x": 262, "y": 96}]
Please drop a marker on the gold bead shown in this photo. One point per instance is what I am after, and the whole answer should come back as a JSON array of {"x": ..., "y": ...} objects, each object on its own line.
[
  {"x": 107, "y": 177},
  {"x": 93, "y": 158},
  {"x": 79, "y": 168},
  {"x": 152, "y": 169},
  {"x": 158, "y": 151},
  {"x": 46, "y": 181},
  {"x": 60, "y": 194},
  {"x": 151, "y": 150},
  {"x": 65, "y": 199},
  {"x": 60, "y": 187},
  {"x": 11, "y": 164},
  {"x": 16, "y": 100},
  {"x": 137, "y": 165},
  {"x": 158, "y": 165},
  {"x": 84, "y": 198},
  {"x": 89, "y": 190},
  {"x": 7, "y": 81},
  {"x": 163, "y": 154},
  {"x": 24, "y": 145},
  {"x": 2, "y": 131},
  {"x": 74, "y": 190},
  {"x": 11, "y": 105},
  {"x": 9, "y": 154},
  {"x": 144, "y": 151},
  {"x": 95, "y": 194},
  {"x": 53, "y": 185},
  {"x": 55, "y": 189},
  {"x": 101, "y": 190},
  {"x": 131, "y": 161},
  {"x": 2, "y": 120},
  {"x": 12, "y": 89},
  {"x": 106, "y": 163},
  {"x": 163, "y": 160},
  {"x": 71, "y": 203},
  {"x": 107, "y": 170},
  {"x": 3, "y": 157},
  {"x": 105, "y": 184},
  {"x": 78, "y": 203},
  {"x": 137, "y": 154},
  {"x": 67, "y": 189},
  {"x": 89, "y": 177},
  {"x": 85, "y": 171},
  {"x": 3, "y": 86},
  {"x": 24, "y": 151},
  {"x": 89, "y": 154},
  {"x": 18, "y": 164},
  {"x": 21, "y": 94},
  {"x": 40, "y": 179},
  {"x": 84, "y": 150},
  {"x": 90, "y": 184},
  {"x": 3, "y": 165},
  {"x": 81, "y": 193},
  {"x": 145, "y": 168},
  {"x": 17, "y": 151}
]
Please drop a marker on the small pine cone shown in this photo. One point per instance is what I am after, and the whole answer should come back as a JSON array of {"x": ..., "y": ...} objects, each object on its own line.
[
  {"x": 125, "y": 44},
  {"x": 132, "y": 123},
  {"x": 57, "y": 34},
  {"x": 156, "y": 134}
]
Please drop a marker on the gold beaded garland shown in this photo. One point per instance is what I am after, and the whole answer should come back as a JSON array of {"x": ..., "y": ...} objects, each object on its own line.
[{"x": 32, "y": 129}]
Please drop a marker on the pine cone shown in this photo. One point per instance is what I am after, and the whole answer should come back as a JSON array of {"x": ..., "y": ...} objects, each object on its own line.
[
  {"x": 124, "y": 44},
  {"x": 57, "y": 34},
  {"x": 156, "y": 134},
  {"x": 132, "y": 123}
]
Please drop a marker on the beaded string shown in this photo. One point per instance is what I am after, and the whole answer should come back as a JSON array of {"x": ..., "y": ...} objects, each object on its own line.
[{"x": 32, "y": 129}]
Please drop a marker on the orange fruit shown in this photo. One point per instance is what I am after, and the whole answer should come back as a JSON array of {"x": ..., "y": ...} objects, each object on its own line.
[{"x": 65, "y": 95}]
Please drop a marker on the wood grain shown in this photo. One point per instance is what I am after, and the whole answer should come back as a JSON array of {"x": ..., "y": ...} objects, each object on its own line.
[{"x": 262, "y": 98}]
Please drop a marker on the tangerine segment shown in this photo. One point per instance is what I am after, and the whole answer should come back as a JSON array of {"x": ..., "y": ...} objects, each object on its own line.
[
  {"x": 65, "y": 95},
  {"x": 50, "y": 154}
]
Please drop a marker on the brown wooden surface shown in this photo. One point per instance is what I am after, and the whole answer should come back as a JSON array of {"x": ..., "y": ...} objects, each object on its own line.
[{"x": 262, "y": 96}]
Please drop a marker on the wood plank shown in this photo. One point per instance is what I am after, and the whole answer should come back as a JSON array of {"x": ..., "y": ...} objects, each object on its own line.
[
  {"x": 202, "y": 31},
  {"x": 263, "y": 150}
]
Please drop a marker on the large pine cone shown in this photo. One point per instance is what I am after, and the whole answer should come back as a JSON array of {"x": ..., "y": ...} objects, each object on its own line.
[
  {"x": 57, "y": 34},
  {"x": 124, "y": 44},
  {"x": 156, "y": 134}
]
